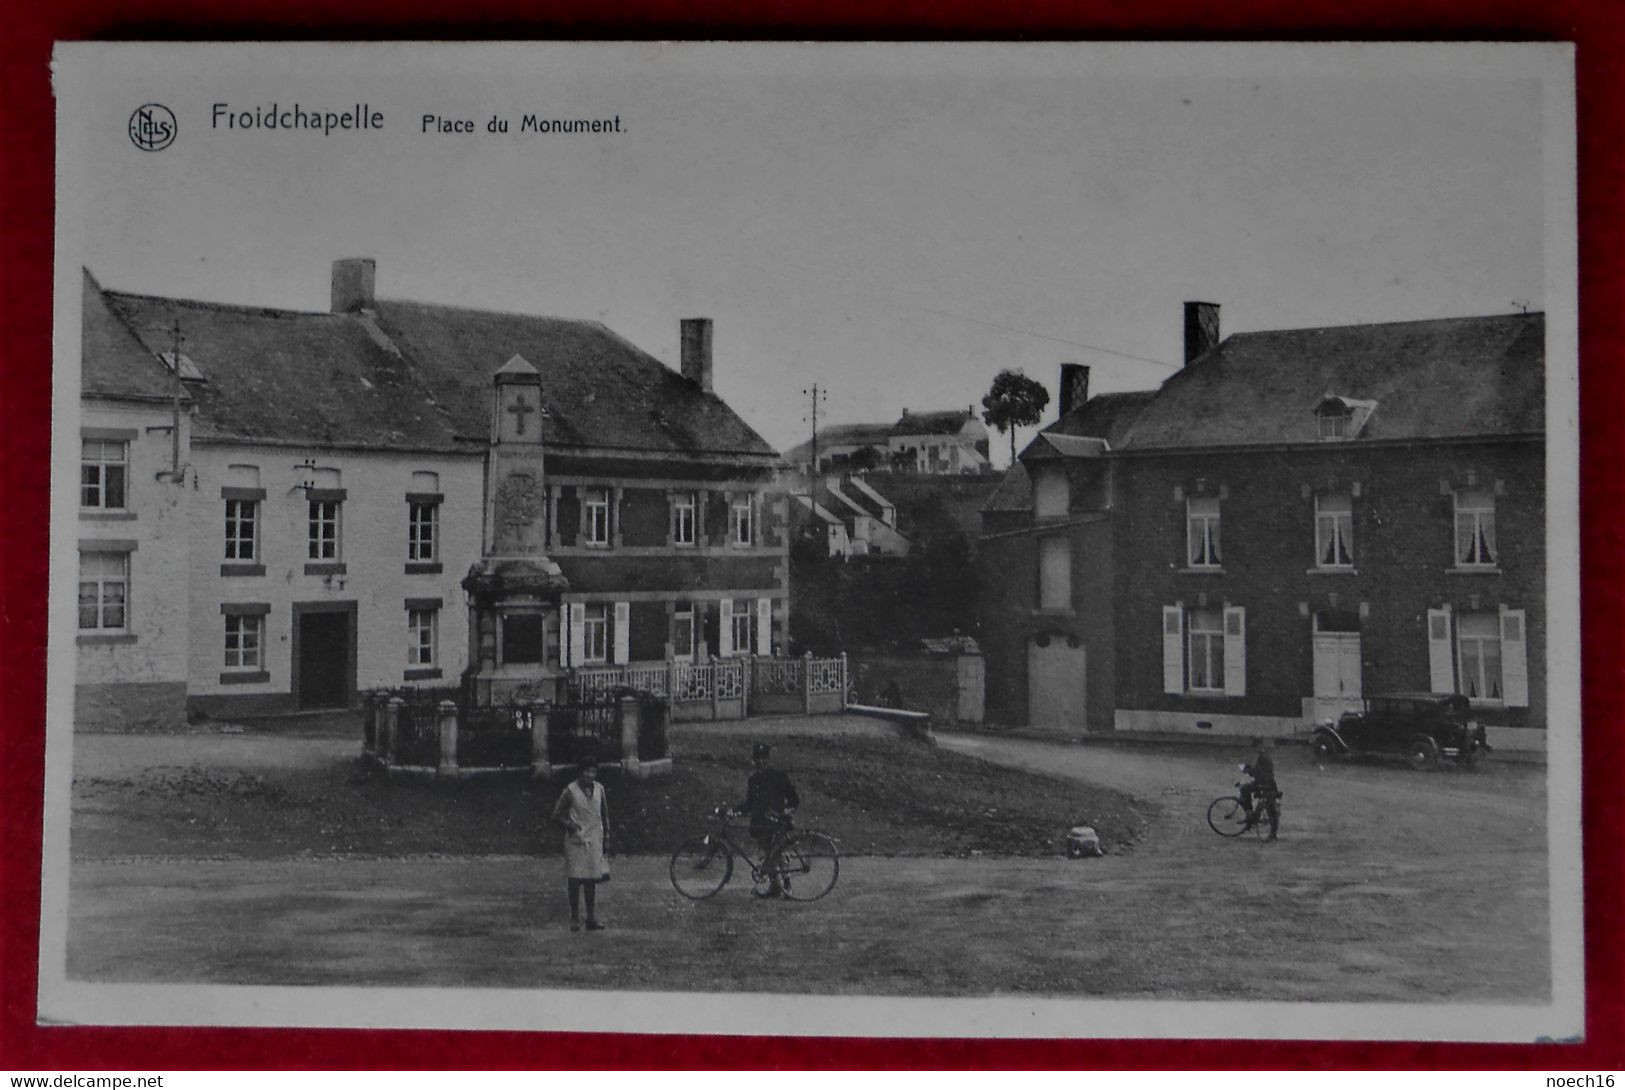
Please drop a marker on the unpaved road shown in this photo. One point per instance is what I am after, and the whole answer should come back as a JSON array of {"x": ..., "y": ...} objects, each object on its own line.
[{"x": 1386, "y": 885}]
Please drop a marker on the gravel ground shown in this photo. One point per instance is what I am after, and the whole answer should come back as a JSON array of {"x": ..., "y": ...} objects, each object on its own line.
[
  {"x": 1387, "y": 885},
  {"x": 272, "y": 795}
]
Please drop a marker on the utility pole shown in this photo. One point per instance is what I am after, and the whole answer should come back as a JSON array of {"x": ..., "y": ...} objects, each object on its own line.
[{"x": 816, "y": 394}]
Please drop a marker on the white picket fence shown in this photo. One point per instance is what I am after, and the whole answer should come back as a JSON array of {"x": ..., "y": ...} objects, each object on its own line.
[{"x": 731, "y": 686}]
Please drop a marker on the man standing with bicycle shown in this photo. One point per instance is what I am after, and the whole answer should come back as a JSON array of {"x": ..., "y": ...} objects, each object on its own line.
[
  {"x": 1262, "y": 788},
  {"x": 770, "y": 798}
]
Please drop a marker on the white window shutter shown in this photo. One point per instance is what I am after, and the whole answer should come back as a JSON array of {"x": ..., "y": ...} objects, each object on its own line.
[
  {"x": 1514, "y": 659},
  {"x": 1235, "y": 651},
  {"x": 623, "y": 631},
  {"x": 725, "y": 630},
  {"x": 1173, "y": 649},
  {"x": 578, "y": 633},
  {"x": 1441, "y": 662},
  {"x": 764, "y": 626}
]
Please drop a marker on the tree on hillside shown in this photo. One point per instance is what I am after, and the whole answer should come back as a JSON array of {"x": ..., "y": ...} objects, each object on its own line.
[
  {"x": 1014, "y": 401},
  {"x": 865, "y": 458}
]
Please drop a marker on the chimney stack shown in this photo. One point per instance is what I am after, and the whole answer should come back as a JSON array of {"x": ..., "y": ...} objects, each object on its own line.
[
  {"x": 1201, "y": 329},
  {"x": 352, "y": 284},
  {"x": 696, "y": 351},
  {"x": 1074, "y": 389}
]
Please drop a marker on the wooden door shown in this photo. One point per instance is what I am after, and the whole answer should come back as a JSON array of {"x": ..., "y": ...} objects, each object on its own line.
[
  {"x": 1337, "y": 674},
  {"x": 324, "y": 659},
  {"x": 1056, "y": 684}
]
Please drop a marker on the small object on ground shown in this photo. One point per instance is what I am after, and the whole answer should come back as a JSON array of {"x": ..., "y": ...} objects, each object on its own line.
[{"x": 1083, "y": 842}]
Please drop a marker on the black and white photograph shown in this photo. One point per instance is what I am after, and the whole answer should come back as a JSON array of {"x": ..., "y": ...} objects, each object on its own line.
[{"x": 845, "y": 539}]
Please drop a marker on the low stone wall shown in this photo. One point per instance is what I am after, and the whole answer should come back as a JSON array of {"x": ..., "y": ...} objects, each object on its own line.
[{"x": 1207, "y": 724}]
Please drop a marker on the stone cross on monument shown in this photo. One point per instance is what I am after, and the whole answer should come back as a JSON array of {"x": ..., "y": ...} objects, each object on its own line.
[
  {"x": 521, "y": 409},
  {"x": 514, "y": 588}
]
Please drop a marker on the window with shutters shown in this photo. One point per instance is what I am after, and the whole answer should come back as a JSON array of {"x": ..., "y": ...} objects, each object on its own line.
[
  {"x": 1334, "y": 530},
  {"x": 103, "y": 465},
  {"x": 1478, "y": 656},
  {"x": 682, "y": 630},
  {"x": 595, "y": 508},
  {"x": 742, "y": 520},
  {"x": 104, "y": 587},
  {"x": 684, "y": 509},
  {"x": 1206, "y": 654},
  {"x": 744, "y": 626},
  {"x": 595, "y": 632},
  {"x": 1202, "y": 532},
  {"x": 1475, "y": 529}
]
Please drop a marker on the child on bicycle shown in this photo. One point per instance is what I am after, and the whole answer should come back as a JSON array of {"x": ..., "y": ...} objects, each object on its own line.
[
  {"x": 1262, "y": 788},
  {"x": 770, "y": 799}
]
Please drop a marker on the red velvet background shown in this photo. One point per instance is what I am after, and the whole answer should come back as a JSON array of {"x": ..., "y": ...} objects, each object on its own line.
[{"x": 26, "y": 171}]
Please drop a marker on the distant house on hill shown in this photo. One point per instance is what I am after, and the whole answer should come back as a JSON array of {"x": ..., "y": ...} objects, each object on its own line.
[
  {"x": 954, "y": 441},
  {"x": 949, "y": 442}
]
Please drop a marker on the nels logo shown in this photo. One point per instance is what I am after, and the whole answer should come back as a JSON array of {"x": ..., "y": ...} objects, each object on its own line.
[{"x": 152, "y": 127}]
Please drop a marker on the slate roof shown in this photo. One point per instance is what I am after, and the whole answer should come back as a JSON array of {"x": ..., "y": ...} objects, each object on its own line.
[
  {"x": 1015, "y": 492},
  {"x": 1104, "y": 416},
  {"x": 874, "y": 435},
  {"x": 415, "y": 376},
  {"x": 291, "y": 376},
  {"x": 818, "y": 510},
  {"x": 1439, "y": 379},
  {"x": 116, "y": 364},
  {"x": 1049, "y": 444},
  {"x": 599, "y": 389},
  {"x": 947, "y": 422}
]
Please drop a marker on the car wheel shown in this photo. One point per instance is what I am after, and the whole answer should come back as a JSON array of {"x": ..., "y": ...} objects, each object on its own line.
[
  {"x": 1326, "y": 749},
  {"x": 1422, "y": 754}
]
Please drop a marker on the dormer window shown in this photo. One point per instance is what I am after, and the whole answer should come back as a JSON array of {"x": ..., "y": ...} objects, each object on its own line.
[
  {"x": 1341, "y": 417},
  {"x": 1334, "y": 421}
]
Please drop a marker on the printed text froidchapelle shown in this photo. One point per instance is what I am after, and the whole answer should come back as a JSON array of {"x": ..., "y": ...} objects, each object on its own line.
[{"x": 357, "y": 117}]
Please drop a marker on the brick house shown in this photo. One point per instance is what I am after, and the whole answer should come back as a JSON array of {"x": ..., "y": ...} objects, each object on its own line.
[
  {"x": 335, "y": 495},
  {"x": 1295, "y": 519}
]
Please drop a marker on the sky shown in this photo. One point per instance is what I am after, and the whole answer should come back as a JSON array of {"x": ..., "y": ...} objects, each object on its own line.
[{"x": 895, "y": 224}]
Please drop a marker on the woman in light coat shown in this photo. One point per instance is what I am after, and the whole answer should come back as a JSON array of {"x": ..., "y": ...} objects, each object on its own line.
[{"x": 583, "y": 813}]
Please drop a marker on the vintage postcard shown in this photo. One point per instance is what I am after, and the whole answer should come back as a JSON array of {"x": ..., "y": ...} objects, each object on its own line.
[{"x": 1045, "y": 540}]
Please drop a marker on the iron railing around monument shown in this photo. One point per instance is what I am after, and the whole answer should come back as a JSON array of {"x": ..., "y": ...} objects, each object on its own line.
[{"x": 496, "y": 735}]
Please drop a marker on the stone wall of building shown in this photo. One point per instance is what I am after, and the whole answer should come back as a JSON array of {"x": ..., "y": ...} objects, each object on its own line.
[
  {"x": 134, "y": 677},
  {"x": 372, "y": 574}
]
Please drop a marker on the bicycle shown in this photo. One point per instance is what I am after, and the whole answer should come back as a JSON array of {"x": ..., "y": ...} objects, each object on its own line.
[
  {"x": 806, "y": 863},
  {"x": 1229, "y": 817}
]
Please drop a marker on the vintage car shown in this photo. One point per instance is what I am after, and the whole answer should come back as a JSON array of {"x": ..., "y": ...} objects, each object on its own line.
[{"x": 1424, "y": 728}]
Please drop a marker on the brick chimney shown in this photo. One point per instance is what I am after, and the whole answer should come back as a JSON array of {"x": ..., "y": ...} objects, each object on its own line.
[
  {"x": 352, "y": 284},
  {"x": 696, "y": 351},
  {"x": 1201, "y": 329},
  {"x": 1074, "y": 389}
]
